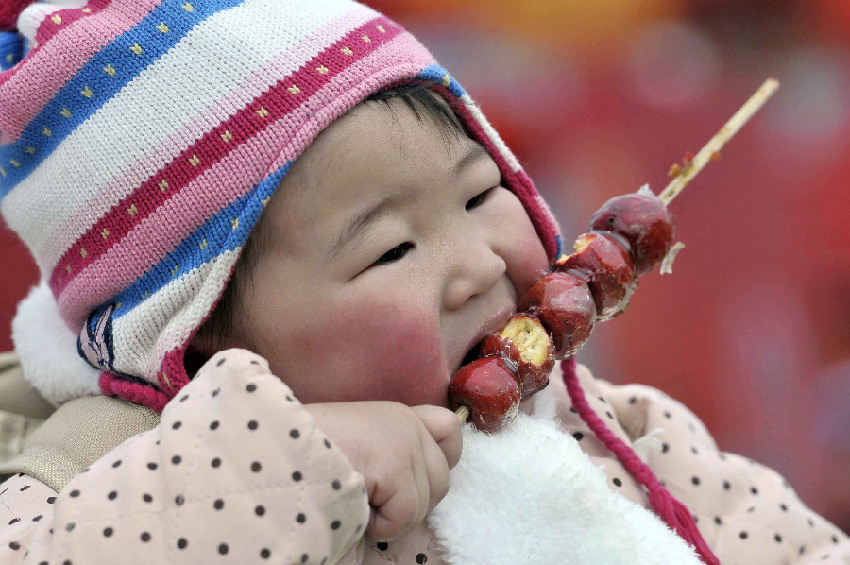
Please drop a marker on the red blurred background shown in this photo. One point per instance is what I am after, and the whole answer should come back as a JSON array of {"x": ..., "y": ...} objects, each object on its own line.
[{"x": 596, "y": 97}]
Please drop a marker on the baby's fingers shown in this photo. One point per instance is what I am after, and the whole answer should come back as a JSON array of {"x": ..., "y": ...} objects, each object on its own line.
[
  {"x": 398, "y": 505},
  {"x": 445, "y": 428}
]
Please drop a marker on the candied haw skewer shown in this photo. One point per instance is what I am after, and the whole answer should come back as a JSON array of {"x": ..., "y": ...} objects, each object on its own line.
[
  {"x": 489, "y": 391},
  {"x": 524, "y": 344}
]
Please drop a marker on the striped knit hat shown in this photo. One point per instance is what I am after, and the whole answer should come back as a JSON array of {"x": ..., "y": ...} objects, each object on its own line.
[{"x": 141, "y": 140}]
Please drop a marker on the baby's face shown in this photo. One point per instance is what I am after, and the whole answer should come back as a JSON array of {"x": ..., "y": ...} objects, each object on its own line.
[{"x": 395, "y": 249}]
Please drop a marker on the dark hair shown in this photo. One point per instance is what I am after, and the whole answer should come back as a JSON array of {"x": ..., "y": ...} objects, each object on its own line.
[{"x": 212, "y": 334}]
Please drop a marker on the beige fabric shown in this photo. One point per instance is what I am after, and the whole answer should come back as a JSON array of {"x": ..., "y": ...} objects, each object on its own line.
[
  {"x": 17, "y": 396},
  {"x": 79, "y": 433}
]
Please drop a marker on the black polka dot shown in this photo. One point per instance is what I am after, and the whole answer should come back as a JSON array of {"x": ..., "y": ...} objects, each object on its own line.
[
  {"x": 51, "y": 500},
  {"x": 667, "y": 414},
  {"x": 726, "y": 485},
  {"x": 218, "y": 504},
  {"x": 176, "y": 459},
  {"x": 743, "y": 535},
  {"x": 632, "y": 400},
  {"x": 176, "y": 425},
  {"x": 783, "y": 507},
  {"x": 718, "y": 520},
  {"x": 250, "y": 387},
  {"x": 223, "y": 549},
  {"x": 265, "y": 553},
  {"x": 147, "y": 498},
  {"x": 112, "y": 495},
  {"x": 304, "y": 558},
  {"x": 152, "y": 466},
  {"x": 694, "y": 450},
  {"x": 69, "y": 527},
  {"x": 66, "y": 562},
  {"x": 811, "y": 523},
  {"x": 777, "y": 537},
  {"x": 216, "y": 462},
  {"x": 834, "y": 539},
  {"x": 665, "y": 447},
  {"x": 336, "y": 485},
  {"x": 37, "y": 518},
  {"x": 107, "y": 532},
  {"x": 293, "y": 433},
  {"x": 382, "y": 545},
  {"x": 14, "y": 520},
  {"x": 335, "y": 524},
  {"x": 74, "y": 493},
  {"x": 256, "y": 466},
  {"x": 601, "y": 399},
  {"x": 754, "y": 490},
  {"x": 14, "y": 545},
  {"x": 296, "y": 476},
  {"x": 145, "y": 537},
  {"x": 802, "y": 550},
  {"x": 617, "y": 482},
  {"x": 289, "y": 398},
  {"x": 421, "y": 558},
  {"x": 116, "y": 464},
  {"x": 182, "y": 543},
  {"x": 327, "y": 443},
  {"x": 179, "y": 500},
  {"x": 607, "y": 413},
  {"x": 301, "y": 518},
  {"x": 220, "y": 362},
  {"x": 695, "y": 481},
  {"x": 216, "y": 391},
  {"x": 214, "y": 425},
  {"x": 184, "y": 398},
  {"x": 751, "y": 509},
  {"x": 252, "y": 424},
  {"x": 259, "y": 510},
  {"x": 578, "y": 435}
]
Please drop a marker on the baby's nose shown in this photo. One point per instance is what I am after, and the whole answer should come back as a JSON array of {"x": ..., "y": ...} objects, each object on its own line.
[{"x": 474, "y": 269}]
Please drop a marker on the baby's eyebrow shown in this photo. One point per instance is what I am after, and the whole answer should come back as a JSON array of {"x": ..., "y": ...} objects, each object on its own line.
[{"x": 355, "y": 227}]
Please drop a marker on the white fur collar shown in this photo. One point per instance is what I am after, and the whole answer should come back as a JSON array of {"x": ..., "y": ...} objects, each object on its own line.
[
  {"x": 530, "y": 495},
  {"x": 47, "y": 349}
]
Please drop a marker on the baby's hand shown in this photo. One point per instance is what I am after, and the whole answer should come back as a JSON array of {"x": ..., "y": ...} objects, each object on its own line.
[{"x": 404, "y": 453}]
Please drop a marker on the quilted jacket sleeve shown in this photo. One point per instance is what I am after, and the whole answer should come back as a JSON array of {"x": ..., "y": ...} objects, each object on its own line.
[
  {"x": 747, "y": 513},
  {"x": 235, "y": 472}
]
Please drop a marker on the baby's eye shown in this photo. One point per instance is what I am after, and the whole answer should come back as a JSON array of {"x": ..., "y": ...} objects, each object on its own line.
[
  {"x": 476, "y": 201},
  {"x": 395, "y": 254}
]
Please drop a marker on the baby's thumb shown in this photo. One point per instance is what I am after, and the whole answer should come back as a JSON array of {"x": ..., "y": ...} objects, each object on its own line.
[{"x": 445, "y": 427}]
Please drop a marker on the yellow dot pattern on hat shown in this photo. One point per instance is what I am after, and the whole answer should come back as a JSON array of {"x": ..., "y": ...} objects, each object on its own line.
[
  {"x": 322, "y": 70},
  {"x": 30, "y": 150},
  {"x": 105, "y": 233},
  {"x": 136, "y": 48},
  {"x": 65, "y": 112},
  {"x": 86, "y": 10},
  {"x": 227, "y": 136},
  {"x": 9, "y": 57},
  {"x": 188, "y": 7},
  {"x": 174, "y": 270},
  {"x": 381, "y": 29},
  {"x": 194, "y": 160},
  {"x": 109, "y": 69},
  {"x": 14, "y": 163},
  {"x": 203, "y": 244},
  {"x": 262, "y": 112},
  {"x": 366, "y": 39},
  {"x": 132, "y": 210},
  {"x": 87, "y": 92},
  {"x": 294, "y": 89},
  {"x": 2, "y": 171},
  {"x": 234, "y": 223},
  {"x": 145, "y": 294},
  {"x": 47, "y": 132},
  {"x": 162, "y": 27},
  {"x": 347, "y": 51},
  {"x": 265, "y": 200},
  {"x": 83, "y": 252},
  {"x": 447, "y": 80},
  {"x": 163, "y": 185},
  {"x": 56, "y": 19}
]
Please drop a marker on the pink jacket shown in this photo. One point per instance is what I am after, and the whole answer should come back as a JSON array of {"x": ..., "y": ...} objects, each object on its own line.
[{"x": 237, "y": 468}]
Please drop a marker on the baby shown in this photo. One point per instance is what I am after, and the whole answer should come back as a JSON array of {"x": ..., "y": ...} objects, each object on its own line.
[{"x": 275, "y": 230}]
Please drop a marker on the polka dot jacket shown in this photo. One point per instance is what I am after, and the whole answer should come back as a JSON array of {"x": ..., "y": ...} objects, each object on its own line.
[{"x": 237, "y": 472}]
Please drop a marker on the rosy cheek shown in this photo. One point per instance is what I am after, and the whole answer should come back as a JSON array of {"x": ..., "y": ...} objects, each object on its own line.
[{"x": 371, "y": 352}]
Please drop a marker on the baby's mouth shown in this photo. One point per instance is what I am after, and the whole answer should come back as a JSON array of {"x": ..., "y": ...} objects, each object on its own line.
[{"x": 472, "y": 354}]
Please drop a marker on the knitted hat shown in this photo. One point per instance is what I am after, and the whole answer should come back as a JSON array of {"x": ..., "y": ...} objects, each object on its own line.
[{"x": 141, "y": 141}]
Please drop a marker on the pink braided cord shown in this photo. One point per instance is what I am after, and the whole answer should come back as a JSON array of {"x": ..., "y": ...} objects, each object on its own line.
[{"x": 665, "y": 505}]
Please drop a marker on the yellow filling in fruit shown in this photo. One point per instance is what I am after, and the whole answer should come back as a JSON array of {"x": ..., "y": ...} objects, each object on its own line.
[{"x": 529, "y": 337}]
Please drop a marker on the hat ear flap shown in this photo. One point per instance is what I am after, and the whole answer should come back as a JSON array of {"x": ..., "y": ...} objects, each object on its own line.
[{"x": 9, "y": 12}]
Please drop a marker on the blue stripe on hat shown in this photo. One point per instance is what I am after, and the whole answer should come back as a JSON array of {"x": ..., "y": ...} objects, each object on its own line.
[
  {"x": 102, "y": 86},
  {"x": 220, "y": 236},
  {"x": 438, "y": 73}
]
